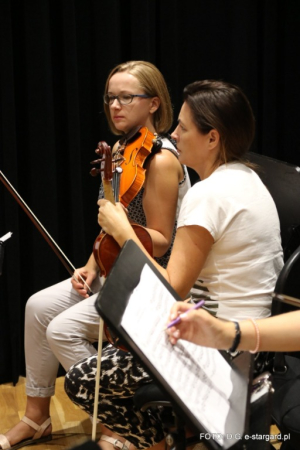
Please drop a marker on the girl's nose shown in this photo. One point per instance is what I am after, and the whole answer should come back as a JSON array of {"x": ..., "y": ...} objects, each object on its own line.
[{"x": 115, "y": 103}]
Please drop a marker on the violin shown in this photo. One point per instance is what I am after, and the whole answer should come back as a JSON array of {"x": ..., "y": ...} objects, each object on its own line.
[{"x": 122, "y": 177}]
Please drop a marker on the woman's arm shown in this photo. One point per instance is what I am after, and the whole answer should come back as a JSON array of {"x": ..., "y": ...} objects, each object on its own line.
[
  {"x": 190, "y": 250},
  {"x": 278, "y": 333}
]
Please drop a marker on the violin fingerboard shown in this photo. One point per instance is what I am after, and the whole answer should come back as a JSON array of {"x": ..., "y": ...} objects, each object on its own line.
[{"x": 108, "y": 191}]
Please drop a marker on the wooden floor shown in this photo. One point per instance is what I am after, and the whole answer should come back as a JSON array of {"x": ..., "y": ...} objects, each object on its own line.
[
  {"x": 71, "y": 426},
  {"x": 274, "y": 431}
]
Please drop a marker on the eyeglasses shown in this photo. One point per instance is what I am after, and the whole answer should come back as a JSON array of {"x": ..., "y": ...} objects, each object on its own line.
[{"x": 123, "y": 99}]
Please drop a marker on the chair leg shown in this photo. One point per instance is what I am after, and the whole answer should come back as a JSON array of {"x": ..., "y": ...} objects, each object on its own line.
[{"x": 176, "y": 439}]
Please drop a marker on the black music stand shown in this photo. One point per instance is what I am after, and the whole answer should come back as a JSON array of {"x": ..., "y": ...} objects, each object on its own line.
[
  {"x": 3, "y": 239},
  {"x": 111, "y": 304}
]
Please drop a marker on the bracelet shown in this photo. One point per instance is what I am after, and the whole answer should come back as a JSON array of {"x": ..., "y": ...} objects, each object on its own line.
[
  {"x": 257, "y": 334},
  {"x": 237, "y": 338}
]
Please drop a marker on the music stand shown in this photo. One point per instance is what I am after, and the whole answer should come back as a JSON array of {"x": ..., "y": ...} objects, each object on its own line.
[
  {"x": 112, "y": 303},
  {"x": 3, "y": 239}
]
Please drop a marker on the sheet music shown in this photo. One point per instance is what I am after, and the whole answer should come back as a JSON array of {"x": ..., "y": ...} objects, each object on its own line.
[{"x": 200, "y": 376}]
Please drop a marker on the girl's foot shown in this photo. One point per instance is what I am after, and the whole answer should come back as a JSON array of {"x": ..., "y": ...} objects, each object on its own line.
[{"x": 25, "y": 432}]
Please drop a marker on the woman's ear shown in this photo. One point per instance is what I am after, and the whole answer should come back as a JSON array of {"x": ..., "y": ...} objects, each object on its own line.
[
  {"x": 214, "y": 138},
  {"x": 154, "y": 105}
]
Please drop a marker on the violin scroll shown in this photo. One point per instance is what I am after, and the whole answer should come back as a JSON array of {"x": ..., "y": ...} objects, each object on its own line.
[{"x": 105, "y": 163}]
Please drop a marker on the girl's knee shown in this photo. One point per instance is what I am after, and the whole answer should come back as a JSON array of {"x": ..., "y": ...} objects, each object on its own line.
[
  {"x": 36, "y": 314},
  {"x": 34, "y": 305},
  {"x": 55, "y": 334}
]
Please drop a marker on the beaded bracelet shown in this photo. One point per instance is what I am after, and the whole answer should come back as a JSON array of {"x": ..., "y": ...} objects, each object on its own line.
[
  {"x": 237, "y": 338},
  {"x": 257, "y": 334}
]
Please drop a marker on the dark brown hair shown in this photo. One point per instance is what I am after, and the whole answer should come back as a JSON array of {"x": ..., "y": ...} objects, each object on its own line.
[{"x": 224, "y": 107}]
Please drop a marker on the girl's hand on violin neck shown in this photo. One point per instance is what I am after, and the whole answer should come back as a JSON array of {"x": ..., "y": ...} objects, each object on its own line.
[{"x": 113, "y": 221}]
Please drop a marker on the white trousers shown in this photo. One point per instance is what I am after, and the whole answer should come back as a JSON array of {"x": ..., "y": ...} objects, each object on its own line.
[{"x": 60, "y": 327}]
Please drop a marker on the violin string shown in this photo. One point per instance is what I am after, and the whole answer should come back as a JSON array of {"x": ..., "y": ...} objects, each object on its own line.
[{"x": 45, "y": 231}]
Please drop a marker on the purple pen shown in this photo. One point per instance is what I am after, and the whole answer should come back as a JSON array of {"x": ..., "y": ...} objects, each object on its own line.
[{"x": 176, "y": 321}]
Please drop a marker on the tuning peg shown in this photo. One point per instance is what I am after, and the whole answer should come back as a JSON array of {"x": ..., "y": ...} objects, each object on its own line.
[
  {"x": 97, "y": 161},
  {"x": 94, "y": 172}
]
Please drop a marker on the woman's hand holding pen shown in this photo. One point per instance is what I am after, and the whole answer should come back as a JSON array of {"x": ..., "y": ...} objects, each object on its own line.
[{"x": 199, "y": 327}]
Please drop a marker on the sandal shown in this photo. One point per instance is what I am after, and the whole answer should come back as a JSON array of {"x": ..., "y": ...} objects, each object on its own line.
[
  {"x": 118, "y": 445},
  {"x": 37, "y": 437}
]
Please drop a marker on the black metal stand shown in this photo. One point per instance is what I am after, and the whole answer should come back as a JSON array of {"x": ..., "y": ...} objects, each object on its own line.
[
  {"x": 1, "y": 256},
  {"x": 3, "y": 239}
]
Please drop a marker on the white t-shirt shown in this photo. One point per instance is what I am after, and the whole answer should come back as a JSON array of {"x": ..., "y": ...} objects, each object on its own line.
[{"x": 240, "y": 272}]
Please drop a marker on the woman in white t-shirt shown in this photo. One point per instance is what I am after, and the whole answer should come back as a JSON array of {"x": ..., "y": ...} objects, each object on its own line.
[{"x": 227, "y": 244}]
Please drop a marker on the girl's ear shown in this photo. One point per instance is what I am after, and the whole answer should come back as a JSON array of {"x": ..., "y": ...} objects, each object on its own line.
[{"x": 154, "y": 105}]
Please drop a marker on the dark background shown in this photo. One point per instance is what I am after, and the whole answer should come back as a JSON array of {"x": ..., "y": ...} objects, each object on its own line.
[{"x": 54, "y": 59}]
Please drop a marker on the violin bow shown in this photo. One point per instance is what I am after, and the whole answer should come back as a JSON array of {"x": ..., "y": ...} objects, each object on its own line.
[
  {"x": 105, "y": 170},
  {"x": 57, "y": 250}
]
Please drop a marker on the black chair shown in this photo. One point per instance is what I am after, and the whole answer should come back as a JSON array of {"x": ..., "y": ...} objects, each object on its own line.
[
  {"x": 283, "y": 182},
  {"x": 149, "y": 398},
  {"x": 286, "y": 366}
]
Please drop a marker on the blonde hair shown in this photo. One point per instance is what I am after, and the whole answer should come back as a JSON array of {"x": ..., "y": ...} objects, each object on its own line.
[{"x": 154, "y": 85}]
